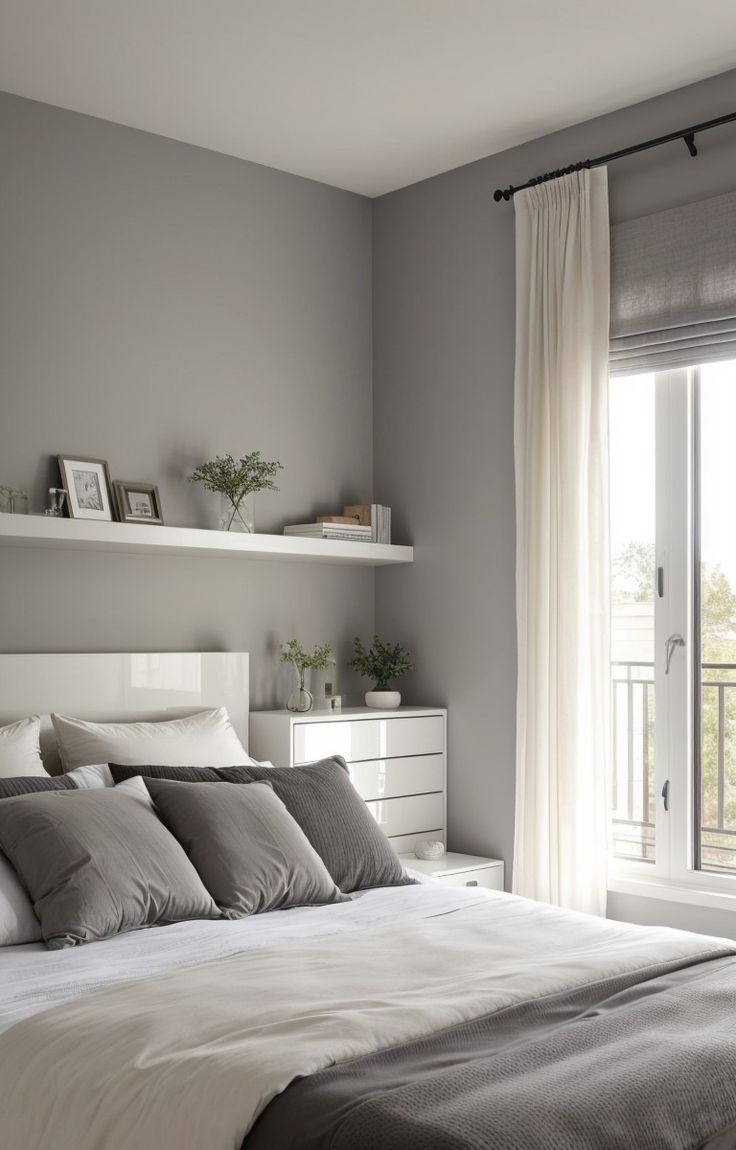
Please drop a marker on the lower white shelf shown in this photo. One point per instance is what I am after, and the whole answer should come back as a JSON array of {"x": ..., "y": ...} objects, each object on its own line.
[{"x": 86, "y": 534}]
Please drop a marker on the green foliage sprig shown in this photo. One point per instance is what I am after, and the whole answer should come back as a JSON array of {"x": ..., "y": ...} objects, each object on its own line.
[
  {"x": 318, "y": 660},
  {"x": 236, "y": 478},
  {"x": 382, "y": 662}
]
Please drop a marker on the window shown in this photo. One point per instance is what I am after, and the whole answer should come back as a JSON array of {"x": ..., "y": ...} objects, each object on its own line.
[{"x": 673, "y": 643}]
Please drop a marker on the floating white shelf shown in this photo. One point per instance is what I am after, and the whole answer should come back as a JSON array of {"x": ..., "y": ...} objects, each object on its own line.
[{"x": 91, "y": 535}]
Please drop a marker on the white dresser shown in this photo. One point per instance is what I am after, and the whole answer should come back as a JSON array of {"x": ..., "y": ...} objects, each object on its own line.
[{"x": 397, "y": 760}]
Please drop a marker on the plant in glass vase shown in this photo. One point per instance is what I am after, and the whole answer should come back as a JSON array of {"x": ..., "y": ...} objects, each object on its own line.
[
  {"x": 319, "y": 659},
  {"x": 383, "y": 663},
  {"x": 236, "y": 481}
]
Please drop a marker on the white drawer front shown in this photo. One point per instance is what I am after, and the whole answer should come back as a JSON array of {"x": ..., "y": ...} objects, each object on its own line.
[
  {"x": 405, "y": 816},
  {"x": 362, "y": 739},
  {"x": 490, "y": 877},
  {"x": 392, "y": 778},
  {"x": 424, "y": 736}
]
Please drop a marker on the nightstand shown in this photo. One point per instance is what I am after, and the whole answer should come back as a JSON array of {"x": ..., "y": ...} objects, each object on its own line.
[{"x": 459, "y": 870}]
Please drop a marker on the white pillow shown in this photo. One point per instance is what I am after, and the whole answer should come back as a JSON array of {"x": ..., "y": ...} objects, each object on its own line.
[
  {"x": 97, "y": 775},
  {"x": 20, "y": 750},
  {"x": 206, "y": 739},
  {"x": 18, "y": 923}
]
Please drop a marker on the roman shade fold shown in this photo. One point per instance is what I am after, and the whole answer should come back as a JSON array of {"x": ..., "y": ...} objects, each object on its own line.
[{"x": 673, "y": 288}]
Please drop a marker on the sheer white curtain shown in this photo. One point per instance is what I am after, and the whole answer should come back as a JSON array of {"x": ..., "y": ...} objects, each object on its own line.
[{"x": 562, "y": 549}]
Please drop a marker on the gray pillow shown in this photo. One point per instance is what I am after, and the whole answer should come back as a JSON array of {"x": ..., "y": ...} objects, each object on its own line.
[
  {"x": 326, "y": 805},
  {"x": 99, "y": 862},
  {"x": 246, "y": 847},
  {"x": 10, "y": 788},
  {"x": 335, "y": 819}
]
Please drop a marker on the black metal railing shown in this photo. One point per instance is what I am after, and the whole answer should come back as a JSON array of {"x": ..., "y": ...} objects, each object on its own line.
[{"x": 632, "y": 798}]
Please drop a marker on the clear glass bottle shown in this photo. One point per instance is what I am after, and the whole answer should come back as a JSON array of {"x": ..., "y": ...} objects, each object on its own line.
[{"x": 300, "y": 699}]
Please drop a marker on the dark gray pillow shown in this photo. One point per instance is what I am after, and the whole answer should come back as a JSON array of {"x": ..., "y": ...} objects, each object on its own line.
[
  {"x": 321, "y": 798},
  {"x": 335, "y": 819},
  {"x": 30, "y": 784},
  {"x": 99, "y": 862},
  {"x": 247, "y": 849},
  {"x": 180, "y": 774}
]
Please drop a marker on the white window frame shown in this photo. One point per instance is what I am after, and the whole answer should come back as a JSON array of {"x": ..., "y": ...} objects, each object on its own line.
[{"x": 672, "y": 874}]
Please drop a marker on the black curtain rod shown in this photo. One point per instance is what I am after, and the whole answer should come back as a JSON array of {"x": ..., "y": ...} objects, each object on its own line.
[{"x": 686, "y": 134}]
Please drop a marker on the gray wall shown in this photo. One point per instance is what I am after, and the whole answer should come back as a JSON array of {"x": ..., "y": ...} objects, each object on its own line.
[
  {"x": 160, "y": 303},
  {"x": 443, "y": 300}
]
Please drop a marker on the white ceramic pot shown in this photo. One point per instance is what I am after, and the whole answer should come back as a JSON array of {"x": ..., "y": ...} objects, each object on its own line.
[{"x": 383, "y": 700}]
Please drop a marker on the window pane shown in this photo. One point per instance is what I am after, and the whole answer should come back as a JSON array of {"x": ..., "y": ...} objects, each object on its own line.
[
  {"x": 632, "y": 444},
  {"x": 718, "y": 618}
]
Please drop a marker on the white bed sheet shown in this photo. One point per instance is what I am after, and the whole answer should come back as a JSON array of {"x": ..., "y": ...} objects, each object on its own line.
[{"x": 33, "y": 979}]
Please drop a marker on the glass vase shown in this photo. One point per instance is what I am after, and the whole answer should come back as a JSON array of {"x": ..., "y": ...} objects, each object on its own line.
[
  {"x": 300, "y": 699},
  {"x": 237, "y": 516}
]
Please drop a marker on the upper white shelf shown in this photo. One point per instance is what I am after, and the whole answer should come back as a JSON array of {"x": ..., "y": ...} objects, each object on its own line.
[{"x": 44, "y": 531}]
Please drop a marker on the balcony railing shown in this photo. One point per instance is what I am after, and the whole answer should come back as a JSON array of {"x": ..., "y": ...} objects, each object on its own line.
[{"x": 632, "y": 798}]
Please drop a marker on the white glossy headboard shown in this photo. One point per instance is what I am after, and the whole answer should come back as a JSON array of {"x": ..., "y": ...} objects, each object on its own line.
[{"x": 122, "y": 687}]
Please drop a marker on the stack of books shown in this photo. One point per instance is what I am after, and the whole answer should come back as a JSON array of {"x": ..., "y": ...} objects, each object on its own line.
[
  {"x": 346, "y": 531},
  {"x": 375, "y": 516},
  {"x": 362, "y": 522}
]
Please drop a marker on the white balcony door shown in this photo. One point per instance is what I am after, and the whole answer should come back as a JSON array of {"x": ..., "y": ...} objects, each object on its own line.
[{"x": 673, "y": 546}]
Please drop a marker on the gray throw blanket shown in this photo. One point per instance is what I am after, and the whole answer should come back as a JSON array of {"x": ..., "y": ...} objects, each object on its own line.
[{"x": 642, "y": 1062}]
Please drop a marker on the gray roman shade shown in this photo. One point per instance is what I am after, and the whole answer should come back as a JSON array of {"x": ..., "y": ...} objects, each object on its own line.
[{"x": 673, "y": 288}]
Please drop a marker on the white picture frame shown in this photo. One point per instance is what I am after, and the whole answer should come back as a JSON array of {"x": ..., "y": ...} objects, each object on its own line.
[{"x": 88, "y": 487}]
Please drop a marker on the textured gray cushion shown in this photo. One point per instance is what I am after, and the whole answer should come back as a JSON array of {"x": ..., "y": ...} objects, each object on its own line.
[
  {"x": 247, "y": 849},
  {"x": 31, "y": 784},
  {"x": 321, "y": 798},
  {"x": 178, "y": 774},
  {"x": 98, "y": 862}
]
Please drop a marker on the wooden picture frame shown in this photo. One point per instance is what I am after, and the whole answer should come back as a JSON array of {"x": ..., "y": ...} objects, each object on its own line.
[
  {"x": 138, "y": 503},
  {"x": 88, "y": 487}
]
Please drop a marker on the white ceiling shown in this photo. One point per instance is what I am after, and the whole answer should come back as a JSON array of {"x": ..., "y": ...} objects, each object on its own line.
[{"x": 364, "y": 94}]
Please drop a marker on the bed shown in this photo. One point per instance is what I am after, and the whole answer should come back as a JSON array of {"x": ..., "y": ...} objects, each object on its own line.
[{"x": 410, "y": 1017}]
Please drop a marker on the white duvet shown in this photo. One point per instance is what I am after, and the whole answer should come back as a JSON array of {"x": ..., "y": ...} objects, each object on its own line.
[
  {"x": 176, "y": 1038},
  {"x": 33, "y": 978}
]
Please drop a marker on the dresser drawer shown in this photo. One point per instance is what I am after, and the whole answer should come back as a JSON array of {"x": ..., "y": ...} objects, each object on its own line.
[
  {"x": 408, "y": 815},
  {"x": 489, "y": 877},
  {"x": 362, "y": 739},
  {"x": 392, "y": 778}
]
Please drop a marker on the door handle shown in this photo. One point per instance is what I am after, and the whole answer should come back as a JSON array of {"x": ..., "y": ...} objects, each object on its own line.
[
  {"x": 666, "y": 794},
  {"x": 669, "y": 650}
]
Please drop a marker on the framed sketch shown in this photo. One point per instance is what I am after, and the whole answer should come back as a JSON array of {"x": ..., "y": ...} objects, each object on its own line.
[
  {"x": 87, "y": 482},
  {"x": 138, "y": 503}
]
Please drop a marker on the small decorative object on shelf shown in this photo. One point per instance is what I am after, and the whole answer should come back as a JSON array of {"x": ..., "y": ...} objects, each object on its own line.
[
  {"x": 320, "y": 658},
  {"x": 13, "y": 501},
  {"x": 87, "y": 482},
  {"x": 382, "y": 662},
  {"x": 138, "y": 503},
  {"x": 429, "y": 849},
  {"x": 236, "y": 482},
  {"x": 55, "y": 501}
]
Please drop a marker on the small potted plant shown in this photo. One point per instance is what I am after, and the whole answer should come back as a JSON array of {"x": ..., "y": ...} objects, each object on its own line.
[
  {"x": 236, "y": 482},
  {"x": 383, "y": 663},
  {"x": 319, "y": 659}
]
